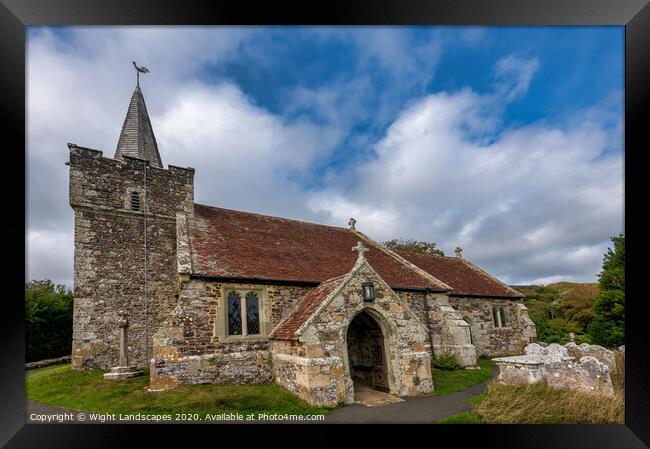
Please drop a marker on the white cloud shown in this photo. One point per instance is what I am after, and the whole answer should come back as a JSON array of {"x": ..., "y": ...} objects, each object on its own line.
[
  {"x": 538, "y": 199},
  {"x": 514, "y": 75},
  {"x": 531, "y": 203},
  {"x": 50, "y": 255},
  {"x": 246, "y": 157}
]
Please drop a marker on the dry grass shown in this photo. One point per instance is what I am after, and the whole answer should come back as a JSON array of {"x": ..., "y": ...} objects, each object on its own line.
[{"x": 540, "y": 404}]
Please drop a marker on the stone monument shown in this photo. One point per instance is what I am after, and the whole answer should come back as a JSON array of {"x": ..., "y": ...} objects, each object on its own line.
[{"x": 123, "y": 370}]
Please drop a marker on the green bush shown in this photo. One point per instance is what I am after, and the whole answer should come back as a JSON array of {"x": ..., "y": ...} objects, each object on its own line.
[
  {"x": 445, "y": 361},
  {"x": 48, "y": 320}
]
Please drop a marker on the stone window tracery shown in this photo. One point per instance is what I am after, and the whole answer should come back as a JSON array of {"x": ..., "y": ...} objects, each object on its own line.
[{"x": 242, "y": 314}]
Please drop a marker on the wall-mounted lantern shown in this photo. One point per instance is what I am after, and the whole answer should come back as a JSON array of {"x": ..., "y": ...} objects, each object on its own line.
[{"x": 368, "y": 291}]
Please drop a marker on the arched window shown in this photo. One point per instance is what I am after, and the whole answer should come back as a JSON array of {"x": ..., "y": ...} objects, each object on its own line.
[
  {"x": 499, "y": 316},
  {"x": 495, "y": 317},
  {"x": 252, "y": 314},
  {"x": 234, "y": 314},
  {"x": 242, "y": 315},
  {"x": 502, "y": 314}
]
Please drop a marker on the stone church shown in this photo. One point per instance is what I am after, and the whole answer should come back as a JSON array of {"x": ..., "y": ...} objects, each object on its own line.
[{"x": 225, "y": 296}]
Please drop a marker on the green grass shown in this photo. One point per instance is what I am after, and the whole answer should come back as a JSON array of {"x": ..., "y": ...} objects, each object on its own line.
[
  {"x": 461, "y": 418},
  {"x": 89, "y": 391},
  {"x": 450, "y": 381}
]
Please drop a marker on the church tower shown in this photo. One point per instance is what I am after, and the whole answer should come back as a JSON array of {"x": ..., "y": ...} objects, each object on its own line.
[{"x": 126, "y": 211}]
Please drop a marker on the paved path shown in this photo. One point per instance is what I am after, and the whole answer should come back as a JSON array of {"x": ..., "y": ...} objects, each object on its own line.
[{"x": 420, "y": 409}]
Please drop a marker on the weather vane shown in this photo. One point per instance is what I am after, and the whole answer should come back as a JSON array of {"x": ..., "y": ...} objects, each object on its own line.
[{"x": 138, "y": 70}]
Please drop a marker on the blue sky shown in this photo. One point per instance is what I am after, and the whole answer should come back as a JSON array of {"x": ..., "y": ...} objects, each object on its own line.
[{"x": 507, "y": 141}]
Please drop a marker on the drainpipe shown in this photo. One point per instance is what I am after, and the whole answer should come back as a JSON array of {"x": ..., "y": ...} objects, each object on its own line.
[{"x": 146, "y": 298}]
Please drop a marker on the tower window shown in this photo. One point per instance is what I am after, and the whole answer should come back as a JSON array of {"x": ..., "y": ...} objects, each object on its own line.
[{"x": 135, "y": 201}]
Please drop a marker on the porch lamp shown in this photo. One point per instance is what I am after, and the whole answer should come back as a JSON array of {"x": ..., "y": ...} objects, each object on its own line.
[{"x": 368, "y": 291}]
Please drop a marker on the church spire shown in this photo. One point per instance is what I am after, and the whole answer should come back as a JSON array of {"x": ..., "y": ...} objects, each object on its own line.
[{"x": 137, "y": 138}]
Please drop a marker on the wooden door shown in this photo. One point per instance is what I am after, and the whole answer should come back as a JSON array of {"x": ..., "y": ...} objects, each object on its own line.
[{"x": 379, "y": 378}]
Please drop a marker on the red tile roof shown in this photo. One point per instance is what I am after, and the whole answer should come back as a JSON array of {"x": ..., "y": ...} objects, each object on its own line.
[
  {"x": 462, "y": 276},
  {"x": 305, "y": 308},
  {"x": 234, "y": 244}
]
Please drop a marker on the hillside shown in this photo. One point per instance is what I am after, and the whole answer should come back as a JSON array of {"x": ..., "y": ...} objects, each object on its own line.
[{"x": 560, "y": 308}]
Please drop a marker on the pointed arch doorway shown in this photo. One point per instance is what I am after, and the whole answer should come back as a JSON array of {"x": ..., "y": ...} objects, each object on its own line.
[{"x": 366, "y": 353}]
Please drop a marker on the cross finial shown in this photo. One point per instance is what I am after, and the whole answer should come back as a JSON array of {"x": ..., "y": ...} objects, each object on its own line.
[
  {"x": 360, "y": 249},
  {"x": 351, "y": 223},
  {"x": 458, "y": 251}
]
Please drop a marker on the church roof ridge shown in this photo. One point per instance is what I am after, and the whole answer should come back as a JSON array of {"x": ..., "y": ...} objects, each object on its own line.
[{"x": 275, "y": 217}]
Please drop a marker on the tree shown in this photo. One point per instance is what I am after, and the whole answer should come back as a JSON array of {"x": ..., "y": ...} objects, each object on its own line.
[
  {"x": 578, "y": 304},
  {"x": 608, "y": 326},
  {"x": 48, "y": 320},
  {"x": 413, "y": 246}
]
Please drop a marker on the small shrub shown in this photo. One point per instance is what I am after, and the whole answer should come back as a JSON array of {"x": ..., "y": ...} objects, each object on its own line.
[{"x": 445, "y": 361}]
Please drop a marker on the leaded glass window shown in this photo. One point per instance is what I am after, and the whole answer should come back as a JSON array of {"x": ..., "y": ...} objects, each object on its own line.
[
  {"x": 234, "y": 314},
  {"x": 252, "y": 313}
]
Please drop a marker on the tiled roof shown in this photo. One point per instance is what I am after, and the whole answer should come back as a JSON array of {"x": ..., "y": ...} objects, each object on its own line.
[
  {"x": 305, "y": 308},
  {"x": 234, "y": 244},
  {"x": 462, "y": 276}
]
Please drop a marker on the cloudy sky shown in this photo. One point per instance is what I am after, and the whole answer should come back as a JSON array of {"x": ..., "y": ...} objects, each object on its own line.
[{"x": 506, "y": 141}]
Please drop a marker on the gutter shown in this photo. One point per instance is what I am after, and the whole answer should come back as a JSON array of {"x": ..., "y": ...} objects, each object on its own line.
[{"x": 296, "y": 283}]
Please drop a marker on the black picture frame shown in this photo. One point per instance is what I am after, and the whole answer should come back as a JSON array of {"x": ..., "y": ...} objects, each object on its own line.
[{"x": 15, "y": 15}]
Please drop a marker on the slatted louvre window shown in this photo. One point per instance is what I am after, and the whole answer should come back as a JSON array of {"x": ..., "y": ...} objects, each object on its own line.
[{"x": 135, "y": 201}]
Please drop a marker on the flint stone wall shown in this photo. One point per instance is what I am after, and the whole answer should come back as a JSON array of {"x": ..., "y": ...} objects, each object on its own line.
[
  {"x": 450, "y": 334},
  {"x": 109, "y": 253},
  {"x": 554, "y": 365},
  {"x": 189, "y": 350},
  {"x": 488, "y": 339}
]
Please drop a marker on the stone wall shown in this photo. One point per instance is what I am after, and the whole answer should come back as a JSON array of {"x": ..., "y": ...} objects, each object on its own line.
[
  {"x": 489, "y": 339},
  {"x": 188, "y": 348},
  {"x": 450, "y": 334},
  {"x": 109, "y": 253}
]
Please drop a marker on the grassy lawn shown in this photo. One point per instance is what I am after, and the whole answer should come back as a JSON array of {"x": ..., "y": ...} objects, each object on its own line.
[
  {"x": 89, "y": 391},
  {"x": 540, "y": 404},
  {"x": 450, "y": 381}
]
